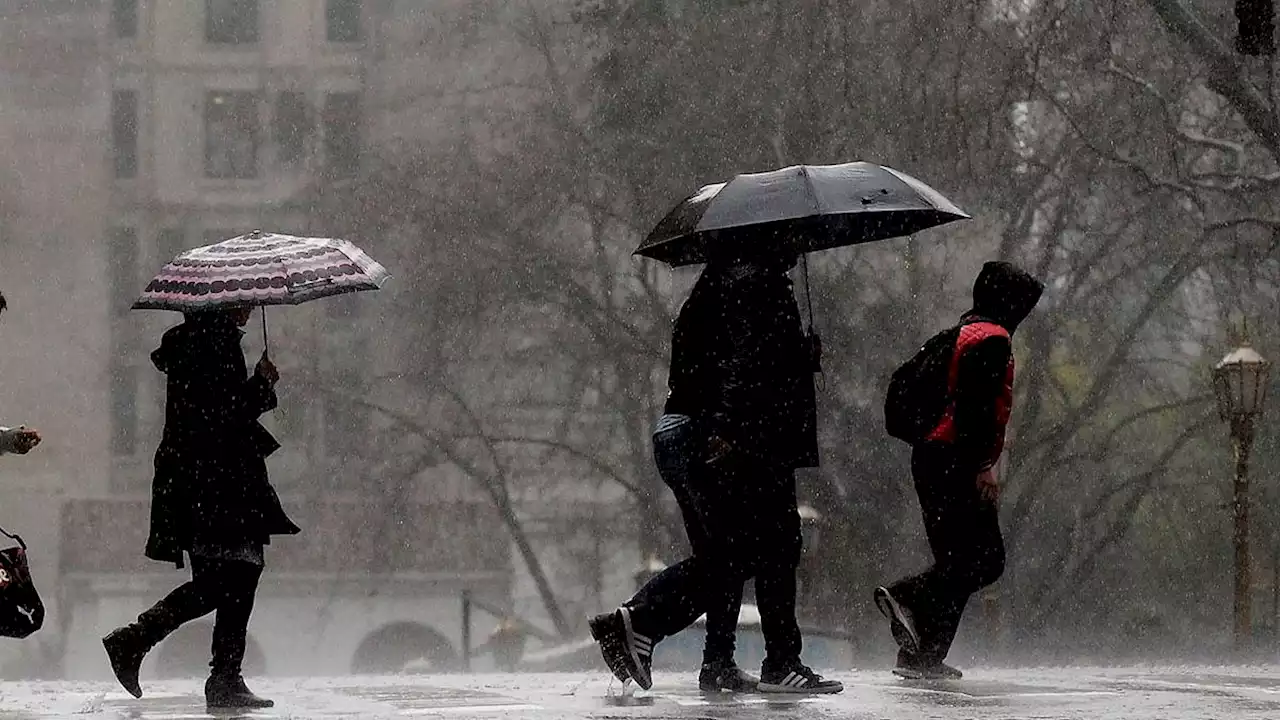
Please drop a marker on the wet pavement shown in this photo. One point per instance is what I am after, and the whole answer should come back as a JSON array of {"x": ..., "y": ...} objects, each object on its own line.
[{"x": 1222, "y": 693}]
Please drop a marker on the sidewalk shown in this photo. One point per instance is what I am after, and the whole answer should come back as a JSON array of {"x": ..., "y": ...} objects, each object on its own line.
[{"x": 1045, "y": 694}]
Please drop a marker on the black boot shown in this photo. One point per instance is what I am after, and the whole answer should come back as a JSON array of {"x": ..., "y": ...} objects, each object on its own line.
[
  {"x": 231, "y": 692},
  {"x": 126, "y": 647},
  {"x": 914, "y": 667}
]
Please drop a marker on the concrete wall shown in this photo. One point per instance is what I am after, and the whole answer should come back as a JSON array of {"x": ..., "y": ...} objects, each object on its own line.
[{"x": 53, "y": 106}]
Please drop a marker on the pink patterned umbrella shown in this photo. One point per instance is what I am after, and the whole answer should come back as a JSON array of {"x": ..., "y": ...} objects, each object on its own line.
[{"x": 261, "y": 268}]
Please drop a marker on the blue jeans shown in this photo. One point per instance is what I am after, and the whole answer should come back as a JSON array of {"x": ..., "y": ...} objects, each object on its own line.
[{"x": 674, "y": 598}]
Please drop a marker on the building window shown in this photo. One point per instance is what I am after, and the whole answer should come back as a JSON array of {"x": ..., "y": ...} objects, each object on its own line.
[
  {"x": 124, "y": 132},
  {"x": 342, "y": 21},
  {"x": 231, "y": 22},
  {"x": 124, "y": 18},
  {"x": 231, "y": 135},
  {"x": 342, "y": 133},
  {"x": 291, "y": 127},
  {"x": 124, "y": 404},
  {"x": 123, "y": 269}
]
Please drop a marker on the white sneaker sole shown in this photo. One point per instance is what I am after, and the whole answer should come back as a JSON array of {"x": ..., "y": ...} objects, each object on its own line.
[
  {"x": 898, "y": 617},
  {"x": 778, "y": 689}
]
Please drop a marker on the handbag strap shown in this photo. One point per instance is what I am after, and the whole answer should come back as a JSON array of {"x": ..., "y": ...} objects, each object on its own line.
[{"x": 7, "y": 534}]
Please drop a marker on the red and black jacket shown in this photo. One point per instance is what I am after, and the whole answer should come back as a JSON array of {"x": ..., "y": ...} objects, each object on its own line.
[
  {"x": 981, "y": 390},
  {"x": 981, "y": 377}
]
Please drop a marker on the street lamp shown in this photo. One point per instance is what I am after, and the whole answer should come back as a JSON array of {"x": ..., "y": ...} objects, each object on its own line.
[{"x": 1240, "y": 384}]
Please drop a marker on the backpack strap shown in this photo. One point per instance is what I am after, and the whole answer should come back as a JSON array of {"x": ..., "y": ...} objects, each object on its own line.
[{"x": 21, "y": 544}]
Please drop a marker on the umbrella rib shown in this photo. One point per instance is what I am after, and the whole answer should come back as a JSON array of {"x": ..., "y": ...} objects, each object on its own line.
[{"x": 812, "y": 188}]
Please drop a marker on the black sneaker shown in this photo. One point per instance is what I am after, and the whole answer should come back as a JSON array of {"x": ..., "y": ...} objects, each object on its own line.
[
  {"x": 797, "y": 679},
  {"x": 726, "y": 677},
  {"x": 901, "y": 624},
  {"x": 938, "y": 671},
  {"x": 231, "y": 693},
  {"x": 607, "y": 630},
  {"x": 628, "y": 654}
]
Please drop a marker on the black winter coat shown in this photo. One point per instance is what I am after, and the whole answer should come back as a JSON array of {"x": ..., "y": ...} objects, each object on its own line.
[
  {"x": 210, "y": 482},
  {"x": 740, "y": 364}
]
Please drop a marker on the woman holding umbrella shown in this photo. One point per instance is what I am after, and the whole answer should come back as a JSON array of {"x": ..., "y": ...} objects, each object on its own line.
[{"x": 211, "y": 498}]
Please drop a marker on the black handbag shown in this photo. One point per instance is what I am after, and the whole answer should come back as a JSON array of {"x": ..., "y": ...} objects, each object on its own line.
[{"x": 21, "y": 610}]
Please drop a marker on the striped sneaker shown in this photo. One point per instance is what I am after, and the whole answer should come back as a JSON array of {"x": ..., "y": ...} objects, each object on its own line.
[
  {"x": 797, "y": 679},
  {"x": 608, "y": 633},
  {"x": 639, "y": 651},
  {"x": 901, "y": 624},
  {"x": 628, "y": 654}
]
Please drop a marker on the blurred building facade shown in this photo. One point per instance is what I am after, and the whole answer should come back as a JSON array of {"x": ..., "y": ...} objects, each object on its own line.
[{"x": 141, "y": 128}]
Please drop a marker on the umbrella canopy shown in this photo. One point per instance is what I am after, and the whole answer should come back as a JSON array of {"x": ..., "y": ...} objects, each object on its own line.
[
  {"x": 816, "y": 207},
  {"x": 261, "y": 268}
]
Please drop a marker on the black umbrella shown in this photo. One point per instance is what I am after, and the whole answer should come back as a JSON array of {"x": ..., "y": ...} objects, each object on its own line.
[
  {"x": 815, "y": 207},
  {"x": 808, "y": 207}
]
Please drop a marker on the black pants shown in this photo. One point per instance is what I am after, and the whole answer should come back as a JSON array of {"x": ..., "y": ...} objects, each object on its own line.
[
  {"x": 968, "y": 551},
  {"x": 226, "y": 587},
  {"x": 743, "y": 524}
]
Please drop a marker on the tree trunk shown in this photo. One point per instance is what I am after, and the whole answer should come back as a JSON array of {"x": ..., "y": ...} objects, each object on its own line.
[{"x": 533, "y": 563}]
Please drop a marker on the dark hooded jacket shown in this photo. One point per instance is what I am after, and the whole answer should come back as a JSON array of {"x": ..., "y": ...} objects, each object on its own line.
[
  {"x": 1003, "y": 295},
  {"x": 740, "y": 364},
  {"x": 210, "y": 484}
]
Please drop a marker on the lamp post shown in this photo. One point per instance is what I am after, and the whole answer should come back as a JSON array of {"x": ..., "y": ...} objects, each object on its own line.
[{"x": 1240, "y": 384}]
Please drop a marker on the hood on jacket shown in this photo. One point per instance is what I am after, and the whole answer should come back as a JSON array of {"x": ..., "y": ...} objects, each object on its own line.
[
  {"x": 1005, "y": 294},
  {"x": 182, "y": 340}
]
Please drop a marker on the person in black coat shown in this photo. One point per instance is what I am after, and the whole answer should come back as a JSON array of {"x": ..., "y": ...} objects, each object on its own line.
[
  {"x": 211, "y": 499},
  {"x": 739, "y": 420}
]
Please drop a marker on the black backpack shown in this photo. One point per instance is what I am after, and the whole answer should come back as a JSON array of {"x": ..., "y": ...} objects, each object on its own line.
[{"x": 919, "y": 389}]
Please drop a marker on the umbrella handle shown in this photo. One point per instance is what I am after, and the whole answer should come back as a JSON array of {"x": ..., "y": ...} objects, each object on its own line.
[
  {"x": 264, "y": 329},
  {"x": 815, "y": 343}
]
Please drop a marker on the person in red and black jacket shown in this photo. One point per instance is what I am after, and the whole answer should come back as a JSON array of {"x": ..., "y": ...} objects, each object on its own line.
[{"x": 954, "y": 473}]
